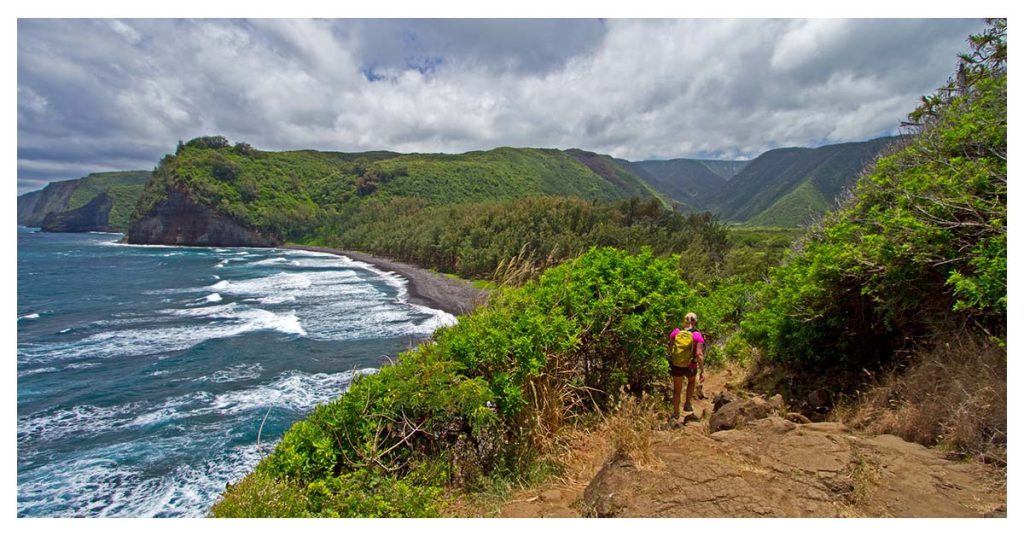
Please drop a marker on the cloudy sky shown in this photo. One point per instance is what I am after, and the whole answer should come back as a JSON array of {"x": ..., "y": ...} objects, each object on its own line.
[{"x": 101, "y": 95}]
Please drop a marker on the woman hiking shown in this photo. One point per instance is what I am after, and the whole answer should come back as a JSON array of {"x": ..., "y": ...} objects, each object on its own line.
[{"x": 686, "y": 357}]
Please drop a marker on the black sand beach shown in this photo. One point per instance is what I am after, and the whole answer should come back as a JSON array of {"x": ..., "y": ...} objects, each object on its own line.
[{"x": 427, "y": 288}]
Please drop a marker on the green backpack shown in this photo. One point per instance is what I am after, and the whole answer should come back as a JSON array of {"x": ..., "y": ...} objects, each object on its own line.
[{"x": 683, "y": 349}]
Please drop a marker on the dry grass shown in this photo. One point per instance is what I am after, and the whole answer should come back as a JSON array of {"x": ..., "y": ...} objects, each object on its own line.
[
  {"x": 631, "y": 430},
  {"x": 953, "y": 396}
]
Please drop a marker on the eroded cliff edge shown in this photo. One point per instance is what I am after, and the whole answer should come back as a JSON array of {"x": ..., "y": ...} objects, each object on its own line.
[
  {"x": 93, "y": 216},
  {"x": 177, "y": 220}
]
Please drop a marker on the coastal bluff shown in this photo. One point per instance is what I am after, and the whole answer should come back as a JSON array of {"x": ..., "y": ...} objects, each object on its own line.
[
  {"x": 177, "y": 220},
  {"x": 93, "y": 216}
]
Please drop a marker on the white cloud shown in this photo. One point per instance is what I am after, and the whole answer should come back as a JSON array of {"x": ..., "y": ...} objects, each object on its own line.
[{"x": 89, "y": 90}]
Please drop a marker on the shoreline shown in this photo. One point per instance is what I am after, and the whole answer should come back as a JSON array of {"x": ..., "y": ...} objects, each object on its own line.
[{"x": 427, "y": 288}]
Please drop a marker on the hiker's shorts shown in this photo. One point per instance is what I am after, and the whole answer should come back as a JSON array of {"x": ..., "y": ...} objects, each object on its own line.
[{"x": 682, "y": 371}]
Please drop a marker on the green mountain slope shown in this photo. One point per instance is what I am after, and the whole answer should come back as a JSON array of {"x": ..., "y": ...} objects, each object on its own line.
[
  {"x": 123, "y": 187},
  {"x": 726, "y": 169},
  {"x": 688, "y": 181},
  {"x": 795, "y": 208},
  {"x": 292, "y": 195},
  {"x": 764, "y": 184}
]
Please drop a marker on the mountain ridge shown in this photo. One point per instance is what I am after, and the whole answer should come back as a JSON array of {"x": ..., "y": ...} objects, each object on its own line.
[
  {"x": 784, "y": 187},
  {"x": 296, "y": 195}
]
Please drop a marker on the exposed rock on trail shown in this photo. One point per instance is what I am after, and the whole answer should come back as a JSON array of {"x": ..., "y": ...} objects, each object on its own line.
[
  {"x": 765, "y": 465},
  {"x": 738, "y": 412}
]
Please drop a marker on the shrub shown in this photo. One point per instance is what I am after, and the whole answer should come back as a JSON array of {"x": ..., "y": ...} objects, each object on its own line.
[
  {"x": 919, "y": 246},
  {"x": 487, "y": 396},
  {"x": 208, "y": 142}
]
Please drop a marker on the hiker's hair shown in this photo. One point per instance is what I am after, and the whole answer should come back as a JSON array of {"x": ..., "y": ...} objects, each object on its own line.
[{"x": 691, "y": 318}]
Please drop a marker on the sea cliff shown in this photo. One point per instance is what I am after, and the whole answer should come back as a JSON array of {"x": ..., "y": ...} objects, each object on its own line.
[{"x": 178, "y": 220}]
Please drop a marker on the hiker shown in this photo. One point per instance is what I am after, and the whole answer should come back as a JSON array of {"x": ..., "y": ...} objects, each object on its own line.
[{"x": 686, "y": 357}]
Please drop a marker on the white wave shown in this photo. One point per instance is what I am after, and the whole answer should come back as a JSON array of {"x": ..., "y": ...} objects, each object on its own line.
[
  {"x": 109, "y": 488},
  {"x": 164, "y": 246},
  {"x": 263, "y": 286},
  {"x": 392, "y": 279},
  {"x": 260, "y": 319},
  {"x": 36, "y": 371},
  {"x": 219, "y": 285},
  {"x": 234, "y": 373},
  {"x": 437, "y": 318},
  {"x": 308, "y": 253},
  {"x": 81, "y": 421},
  {"x": 211, "y": 310},
  {"x": 293, "y": 390},
  {"x": 214, "y": 298},
  {"x": 231, "y": 321},
  {"x": 175, "y": 407},
  {"x": 275, "y": 261},
  {"x": 77, "y": 366},
  {"x": 271, "y": 300},
  {"x": 30, "y": 316}
]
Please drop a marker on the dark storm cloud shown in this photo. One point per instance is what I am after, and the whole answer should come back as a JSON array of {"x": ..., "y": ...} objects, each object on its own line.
[{"x": 96, "y": 95}]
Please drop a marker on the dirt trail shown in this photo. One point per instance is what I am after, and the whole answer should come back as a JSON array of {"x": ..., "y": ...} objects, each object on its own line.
[{"x": 769, "y": 467}]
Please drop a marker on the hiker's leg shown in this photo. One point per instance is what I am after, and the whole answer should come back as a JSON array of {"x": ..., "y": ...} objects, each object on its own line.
[
  {"x": 691, "y": 381},
  {"x": 677, "y": 388}
]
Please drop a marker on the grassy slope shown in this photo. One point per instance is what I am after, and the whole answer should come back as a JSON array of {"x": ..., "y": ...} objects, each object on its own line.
[{"x": 123, "y": 187}]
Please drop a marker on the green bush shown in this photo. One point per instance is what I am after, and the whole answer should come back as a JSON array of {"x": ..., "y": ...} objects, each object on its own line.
[
  {"x": 488, "y": 240},
  {"x": 486, "y": 396},
  {"x": 920, "y": 247}
]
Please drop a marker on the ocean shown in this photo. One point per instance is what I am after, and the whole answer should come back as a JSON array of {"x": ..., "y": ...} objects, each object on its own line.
[{"x": 146, "y": 372}]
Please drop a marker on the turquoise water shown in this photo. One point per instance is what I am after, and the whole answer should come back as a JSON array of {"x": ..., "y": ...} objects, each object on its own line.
[{"x": 144, "y": 373}]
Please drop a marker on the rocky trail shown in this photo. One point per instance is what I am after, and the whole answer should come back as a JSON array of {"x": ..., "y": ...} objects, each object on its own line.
[{"x": 747, "y": 458}]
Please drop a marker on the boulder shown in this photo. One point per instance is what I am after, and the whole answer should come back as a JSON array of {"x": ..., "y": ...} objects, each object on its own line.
[
  {"x": 739, "y": 412},
  {"x": 724, "y": 398}
]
